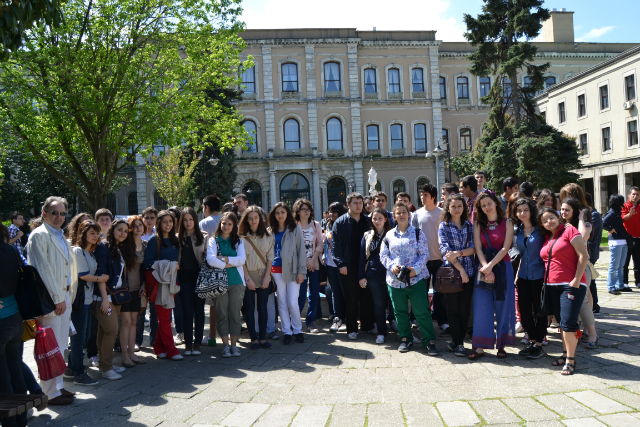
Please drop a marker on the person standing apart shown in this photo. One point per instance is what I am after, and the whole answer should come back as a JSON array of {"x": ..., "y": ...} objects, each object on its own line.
[
  {"x": 347, "y": 233},
  {"x": 312, "y": 237},
  {"x": 631, "y": 220},
  {"x": 50, "y": 253},
  {"x": 618, "y": 248}
]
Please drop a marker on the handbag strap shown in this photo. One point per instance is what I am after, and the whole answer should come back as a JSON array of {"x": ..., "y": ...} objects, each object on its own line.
[
  {"x": 255, "y": 248},
  {"x": 486, "y": 236},
  {"x": 546, "y": 274}
]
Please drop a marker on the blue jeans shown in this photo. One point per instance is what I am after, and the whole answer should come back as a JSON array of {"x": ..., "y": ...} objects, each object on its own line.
[
  {"x": 326, "y": 290},
  {"x": 333, "y": 279},
  {"x": 378, "y": 287},
  {"x": 11, "y": 379},
  {"x": 80, "y": 321},
  {"x": 616, "y": 267},
  {"x": 191, "y": 305},
  {"x": 313, "y": 279},
  {"x": 262, "y": 295}
]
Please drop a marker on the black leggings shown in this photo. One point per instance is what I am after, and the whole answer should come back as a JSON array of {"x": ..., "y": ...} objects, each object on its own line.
[
  {"x": 458, "y": 310},
  {"x": 529, "y": 292}
]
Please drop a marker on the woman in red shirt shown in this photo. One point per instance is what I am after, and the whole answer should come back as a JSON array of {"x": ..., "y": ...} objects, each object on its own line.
[{"x": 565, "y": 279}]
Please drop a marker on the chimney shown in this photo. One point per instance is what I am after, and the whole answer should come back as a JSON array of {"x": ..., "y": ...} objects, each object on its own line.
[{"x": 559, "y": 27}]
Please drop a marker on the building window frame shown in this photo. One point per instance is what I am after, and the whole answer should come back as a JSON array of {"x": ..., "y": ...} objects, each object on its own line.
[
  {"x": 405, "y": 183},
  {"x": 343, "y": 134},
  {"x": 562, "y": 111},
  {"x": 480, "y": 84},
  {"x": 290, "y": 94},
  {"x": 606, "y": 85},
  {"x": 387, "y": 70},
  {"x": 403, "y": 128},
  {"x": 342, "y": 84},
  {"x": 603, "y": 142},
  {"x": 468, "y": 101},
  {"x": 581, "y": 105},
  {"x": 633, "y": 141},
  {"x": 461, "y": 130},
  {"x": 254, "y": 82},
  {"x": 446, "y": 88},
  {"x": 583, "y": 143},
  {"x": 301, "y": 130},
  {"x": 380, "y": 135},
  {"x": 425, "y": 86},
  {"x": 370, "y": 95},
  {"x": 630, "y": 96},
  {"x": 427, "y": 140},
  {"x": 132, "y": 210},
  {"x": 255, "y": 136}
]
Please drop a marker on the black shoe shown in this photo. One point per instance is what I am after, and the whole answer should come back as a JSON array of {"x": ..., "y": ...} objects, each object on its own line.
[
  {"x": 405, "y": 345},
  {"x": 625, "y": 289},
  {"x": 243, "y": 329},
  {"x": 68, "y": 374},
  {"x": 451, "y": 346},
  {"x": 117, "y": 348},
  {"x": 614, "y": 292},
  {"x": 535, "y": 352},
  {"x": 460, "y": 351},
  {"x": 299, "y": 337},
  {"x": 286, "y": 340},
  {"x": 445, "y": 332},
  {"x": 431, "y": 349},
  {"x": 84, "y": 379},
  {"x": 527, "y": 349}
]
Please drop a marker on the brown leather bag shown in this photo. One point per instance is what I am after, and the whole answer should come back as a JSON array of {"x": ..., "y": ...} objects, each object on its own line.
[{"x": 448, "y": 279}]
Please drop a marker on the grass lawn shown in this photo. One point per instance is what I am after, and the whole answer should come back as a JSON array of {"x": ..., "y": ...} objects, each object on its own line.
[{"x": 605, "y": 239}]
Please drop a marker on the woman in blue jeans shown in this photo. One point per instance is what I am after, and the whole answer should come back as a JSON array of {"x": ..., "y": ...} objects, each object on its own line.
[
  {"x": 613, "y": 224},
  {"x": 336, "y": 210},
  {"x": 372, "y": 273}
]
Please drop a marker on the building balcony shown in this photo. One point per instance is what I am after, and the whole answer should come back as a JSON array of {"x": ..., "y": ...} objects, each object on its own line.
[
  {"x": 419, "y": 95},
  {"x": 333, "y": 94},
  {"x": 394, "y": 96}
]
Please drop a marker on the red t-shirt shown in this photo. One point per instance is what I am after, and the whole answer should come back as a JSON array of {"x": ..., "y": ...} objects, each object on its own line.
[
  {"x": 564, "y": 259},
  {"x": 632, "y": 225}
]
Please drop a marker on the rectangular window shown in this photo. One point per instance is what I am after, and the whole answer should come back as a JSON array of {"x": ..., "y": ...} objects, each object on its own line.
[
  {"x": 465, "y": 139},
  {"x": 417, "y": 80},
  {"x": 463, "y": 88},
  {"x": 632, "y": 130},
  {"x": 485, "y": 86},
  {"x": 561, "y": 114},
  {"x": 443, "y": 88},
  {"x": 394, "y": 80},
  {"x": 248, "y": 77},
  {"x": 445, "y": 136},
  {"x": 604, "y": 97},
  {"x": 396, "y": 137},
  {"x": 373, "y": 140},
  {"x": 584, "y": 146},
  {"x": 544, "y": 116},
  {"x": 421, "y": 137},
  {"x": 582, "y": 106},
  {"x": 630, "y": 87},
  {"x": 606, "y": 139},
  {"x": 289, "y": 77},
  {"x": 527, "y": 81},
  {"x": 550, "y": 81},
  {"x": 506, "y": 89},
  {"x": 331, "y": 77},
  {"x": 370, "y": 81}
]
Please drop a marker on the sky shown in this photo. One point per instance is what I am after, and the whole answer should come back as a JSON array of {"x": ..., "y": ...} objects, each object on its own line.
[{"x": 611, "y": 21}]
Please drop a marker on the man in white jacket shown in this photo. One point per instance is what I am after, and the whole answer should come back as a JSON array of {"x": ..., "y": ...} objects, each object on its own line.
[{"x": 50, "y": 253}]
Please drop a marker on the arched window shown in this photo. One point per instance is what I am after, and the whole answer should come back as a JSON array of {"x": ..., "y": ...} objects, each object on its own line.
[
  {"x": 291, "y": 134},
  {"x": 293, "y": 187},
  {"x": 331, "y": 77},
  {"x": 289, "y": 77},
  {"x": 549, "y": 81},
  {"x": 398, "y": 187},
  {"x": 378, "y": 185},
  {"x": 421, "y": 181},
  {"x": 132, "y": 203},
  {"x": 334, "y": 134},
  {"x": 373, "y": 138},
  {"x": 527, "y": 81},
  {"x": 158, "y": 202},
  {"x": 485, "y": 86},
  {"x": 370, "y": 85},
  {"x": 394, "y": 80},
  {"x": 445, "y": 136},
  {"x": 463, "y": 88},
  {"x": 417, "y": 80},
  {"x": 248, "y": 77},
  {"x": 252, "y": 146},
  {"x": 465, "y": 139},
  {"x": 111, "y": 203},
  {"x": 420, "y": 135},
  {"x": 336, "y": 191},
  {"x": 396, "y": 137},
  {"x": 253, "y": 190},
  {"x": 443, "y": 88}
]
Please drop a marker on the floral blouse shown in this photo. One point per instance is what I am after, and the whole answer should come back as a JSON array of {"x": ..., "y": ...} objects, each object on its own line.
[{"x": 402, "y": 249}]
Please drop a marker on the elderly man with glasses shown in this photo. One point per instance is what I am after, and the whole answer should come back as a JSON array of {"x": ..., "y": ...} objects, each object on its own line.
[{"x": 50, "y": 253}]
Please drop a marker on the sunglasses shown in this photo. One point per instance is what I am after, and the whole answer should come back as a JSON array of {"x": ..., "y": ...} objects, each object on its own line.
[{"x": 56, "y": 213}]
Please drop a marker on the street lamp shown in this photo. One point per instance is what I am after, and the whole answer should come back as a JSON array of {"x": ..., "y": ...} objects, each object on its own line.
[{"x": 213, "y": 160}]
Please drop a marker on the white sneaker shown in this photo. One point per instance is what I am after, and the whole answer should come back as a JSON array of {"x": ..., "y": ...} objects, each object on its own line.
[
  {"x": 162, "y": 356},
  {"x": 342, "y": 328},
  {"x": 525, "y": 340},
  {"x": 235, "y": 352},
  {"x": 226, "y": 351},
  {"x": 179, "y": 338},
  {"x": 353, "y": 336},
  {"x": 394, "y": 325},
  {"x": 380, "y": 339},
  {"x": 414, "y": 324},
  {"x": 336, "y": 325},
  {"x": 177, "y": 357},
  {"x": 94, "y": 361},
  {"x": 118, "y": 369},
  {"x": 205, "y": 341},
  {"x": 519, "y": 328},
  {"x": 187, "y": 353},
  {"x": 111, "y": 375}
]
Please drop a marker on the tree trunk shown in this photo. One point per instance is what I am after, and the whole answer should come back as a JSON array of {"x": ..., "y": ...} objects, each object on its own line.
[{"x": 515, "y": 96}]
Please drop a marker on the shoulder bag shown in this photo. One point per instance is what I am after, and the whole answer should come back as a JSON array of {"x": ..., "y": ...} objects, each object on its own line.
[
  {"x": 121, "y": 295},
  {"x": 448, "y": 278},
  {"x": 32, "y": 296},
  {"x": 272, "y": 286},
  {"x": 212, "y": 281},
  {"x": 489, "y": 254},
  {"x": 545, "y": 295}
]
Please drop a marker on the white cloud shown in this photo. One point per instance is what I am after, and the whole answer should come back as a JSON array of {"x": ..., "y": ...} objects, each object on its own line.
[
  {"x": 406, "y": 15},
  {"x": 594, "y": 34}
]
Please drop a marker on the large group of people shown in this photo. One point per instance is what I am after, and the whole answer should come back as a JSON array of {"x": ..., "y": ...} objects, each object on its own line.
[{"x": 521, "y": 261}]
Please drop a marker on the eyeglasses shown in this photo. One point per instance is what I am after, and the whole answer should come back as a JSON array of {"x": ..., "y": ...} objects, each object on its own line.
[
  {"x": 56, "y": 213},
  {"x": 304, "y": 210}
]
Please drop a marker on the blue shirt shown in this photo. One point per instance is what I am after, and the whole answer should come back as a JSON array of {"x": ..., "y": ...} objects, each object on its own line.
[
  {"x": 10, "y": 306},
  {"x": 403, "y": 249},
  {"x": 277, "y": 250},
  {"x": 451, "y": 239},
  {"x": 531, "y": 264}
]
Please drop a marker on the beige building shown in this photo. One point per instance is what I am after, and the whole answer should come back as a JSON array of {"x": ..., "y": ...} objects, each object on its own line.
[
  {"x": 325, "y": 104},
  {"x": 599, "y": 108}
]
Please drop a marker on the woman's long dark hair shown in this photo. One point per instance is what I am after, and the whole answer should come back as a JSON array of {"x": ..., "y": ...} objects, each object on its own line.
[
  {"x": 74, "y": 225},
  {"x": 445, "y": 216},
  {"x": 126, "y": 248},
  {"x": 85, "y": 226},
  {"x": 574, "y": 190},
  {"x": 576, "y": 206},
  {"x": 479, "y": 215},
  {"x": 182, "y": 230},
  {"x": 543, "y": 196},
  {"x": 298, "y": 205},
  {"x": 387, "y": 225},
  {"x": 290, "y": 223},
  {"x": 545, "y": 209},
  {"x": 4, "y": 233},
  {"x": 338, "y": 208},
  {"x": 616, "y": 202},
  {"x": 513, "y": 210},
  {"x": 244, "y": 229},
  {"x": 234, "y": 237},
  {"x": 172, "y": 233}
]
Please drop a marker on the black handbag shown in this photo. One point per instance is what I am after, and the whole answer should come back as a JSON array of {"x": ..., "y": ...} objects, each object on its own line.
[
  {"x": 120, "y": 295},
  {"x": 78, "y": 302},
  {"x": 32, "y": 296},
  {"x": 545, "y": 295},
  {"x": 489, "y": 254}
]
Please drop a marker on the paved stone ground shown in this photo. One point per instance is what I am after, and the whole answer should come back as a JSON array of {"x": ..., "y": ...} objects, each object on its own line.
[{"x": 331, "y": 381}]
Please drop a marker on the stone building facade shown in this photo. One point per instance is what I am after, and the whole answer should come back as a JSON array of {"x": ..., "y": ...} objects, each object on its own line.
[{"x": 324, "y": 105}]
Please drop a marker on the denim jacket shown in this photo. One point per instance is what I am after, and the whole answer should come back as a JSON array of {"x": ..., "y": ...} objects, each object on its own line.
[{"x": 531, "y": 264}]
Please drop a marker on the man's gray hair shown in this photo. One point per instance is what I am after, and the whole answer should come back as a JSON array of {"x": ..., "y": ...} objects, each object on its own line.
[{"x": 54, "y": 199}]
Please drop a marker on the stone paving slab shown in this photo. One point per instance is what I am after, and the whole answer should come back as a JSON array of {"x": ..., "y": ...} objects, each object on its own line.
[
  {"x": 384, "y": 415},
  {"x": 620, "y": 420},
  {"x": 530, "y": 410},
  {"x": 598, "y": 402},
  {"x": 565, "y": 406},
  {"x": 457, "y": 414},
  {"x": 583, "y": 422},
  {"x": 495, "y": 412},
  {"x": 312, "y": 416},
  {"x": 421, "y": 415},
  {"x": 348, "y": 415}
]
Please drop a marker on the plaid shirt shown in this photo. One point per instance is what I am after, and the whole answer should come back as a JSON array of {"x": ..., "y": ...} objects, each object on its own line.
[
  {"x": 13, "y": 232},
  {"x": 453, "y": 239}
]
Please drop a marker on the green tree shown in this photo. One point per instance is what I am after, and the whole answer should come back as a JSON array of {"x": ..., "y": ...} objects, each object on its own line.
[
  {"x": 118, "y": 77},
  {"x": 172, "y": 175},
  {"x": 217, "y": 180},
  {"x": 467, "y": 163}
]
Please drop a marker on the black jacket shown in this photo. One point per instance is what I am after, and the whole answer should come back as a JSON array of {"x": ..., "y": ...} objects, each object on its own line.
[
  {"x": 596, "y": 238},
  {"x": 108, "y": 265},
  {"x": 9, "y": 263},
  {"x": 341, "y": 240},
  {"x": 613, "y": 222}
]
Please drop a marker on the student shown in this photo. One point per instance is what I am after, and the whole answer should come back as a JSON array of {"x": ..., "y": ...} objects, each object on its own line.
[
  {"x": 312, "y": 237},
  {"x": 613, "y": 224},
  {"x": 380, "y": 201},
  {"x": 149, "y": 216},
  {"x": 241, "y": 201},
  {"x": 526, "y": 188},
  {"x": 547, "y": 198},
  {"x": 231, "y": 257},
  {"x": 445, "y": 191},
  {"x": 594, "y": 249},
  {"x": 258, "y": 245},
  {"x": 481, "y": 179},
  {"x": 368, "y": 205},
  {"x": 509, "y": 186},
  {"x": 405, "y": 249},
  {"x": 455, "y": 237},
  {"x": 632, "y": 225},
  {"x": 71, "y": 230},
  {"x": 211, "y": 212},
  {"x": 104, "y": 217},
  {"x": 15, "y": 235},
  {"x": 288, "y": 270},
  {"x": 469, "y": 189},
  {"x": 372, "y": 274},
  {"x": 336, "y": 210},
  {"x": 405, "y": 198}
]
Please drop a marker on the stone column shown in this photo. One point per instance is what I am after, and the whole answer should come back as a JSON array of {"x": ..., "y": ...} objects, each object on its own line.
[
  {"x": 272, "y": 187},
  {"x": 141, "y": 186},
  {"x": 317, "y": 208},
  {"x": 600, "y": 193},
  {"x": 354, "y": 94},
  {"x": 310, "y": 68},
  {"x": 436, "y": 108},
  {"x": 359, "y": 179},
  {"x": 267, "y": 84}
]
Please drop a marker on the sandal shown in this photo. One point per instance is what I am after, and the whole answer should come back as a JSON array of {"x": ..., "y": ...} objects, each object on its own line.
[
  {"x": 569, "y": 368},
  {"x": 129, "y": 365},
  {"x": 592, "y": 345},
  {"x": 563, "y": 358},
  {"x": 475, "y": 355},
  {"x": 501, "y": 354}
]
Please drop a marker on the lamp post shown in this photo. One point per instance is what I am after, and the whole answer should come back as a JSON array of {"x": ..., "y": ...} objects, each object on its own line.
[{"x": 212, "y": 161}]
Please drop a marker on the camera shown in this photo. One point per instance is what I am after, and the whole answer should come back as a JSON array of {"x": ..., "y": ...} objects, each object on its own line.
[{"x": 404, "y": 274}]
